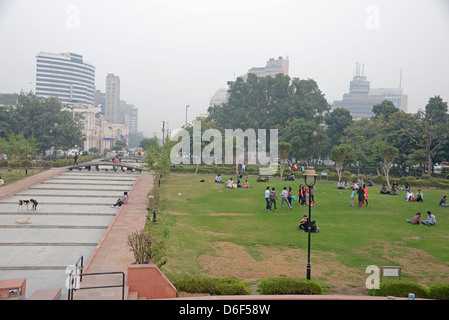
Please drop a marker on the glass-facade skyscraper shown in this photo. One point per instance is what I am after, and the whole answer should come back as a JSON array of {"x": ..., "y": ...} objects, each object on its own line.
[{"x": 65, "y": 76}]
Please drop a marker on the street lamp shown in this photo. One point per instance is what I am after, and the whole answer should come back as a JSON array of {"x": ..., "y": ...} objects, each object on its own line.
[{"x": 309, "y": 175}]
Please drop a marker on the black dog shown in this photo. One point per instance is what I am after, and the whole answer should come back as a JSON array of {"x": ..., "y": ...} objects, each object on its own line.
[
  {"x": 35, "y": 203},
  {"x": 27, "y": 202}
]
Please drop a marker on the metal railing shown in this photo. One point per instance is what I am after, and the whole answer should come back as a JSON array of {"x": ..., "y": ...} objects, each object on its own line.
[{"x": 76, "y": 276}]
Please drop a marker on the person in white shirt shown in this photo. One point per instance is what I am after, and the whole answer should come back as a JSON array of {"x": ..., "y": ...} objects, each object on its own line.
[
  {"x": 218, "y": 179},
  {"x": 430, "y": 219},
  {"x": 409, "y": 195},
  {"x": 267, "y": 198}
]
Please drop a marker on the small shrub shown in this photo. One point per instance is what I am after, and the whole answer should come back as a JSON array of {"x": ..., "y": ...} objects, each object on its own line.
[
  {"x": 379, "y": 179},
  {"x": 439, "y": 291},
  {"x": 213, "y": 286},
  {"x": 425, "y": 176},
  {"x": 399, "y": 288},
  {"x": 289, "y": 286}
]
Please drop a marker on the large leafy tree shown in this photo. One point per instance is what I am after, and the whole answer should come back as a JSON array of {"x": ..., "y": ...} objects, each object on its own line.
[
  {"x": 268, "y": 103},
  {"x": 306, "y": 138},
  {"x": 431, "y": 130},
  {"x": 337, "y": 120},
  {"x": 47, "y": 120}
]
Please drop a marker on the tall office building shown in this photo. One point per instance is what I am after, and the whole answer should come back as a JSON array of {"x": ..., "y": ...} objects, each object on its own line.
[
  {"x": 361, "y": 98},
  {"x": 112, "y": 99},
  {"x": 128, "y": 116},
  {"x": 272, "y": 68},
  {"x": 65, "y": 76}
]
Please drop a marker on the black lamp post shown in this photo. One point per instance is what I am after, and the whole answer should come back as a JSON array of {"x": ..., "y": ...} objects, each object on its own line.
[{"x": 309, "y": 175}]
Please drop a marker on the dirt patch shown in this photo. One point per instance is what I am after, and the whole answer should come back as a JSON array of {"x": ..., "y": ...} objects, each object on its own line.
[{"x": 232, "y": 260}]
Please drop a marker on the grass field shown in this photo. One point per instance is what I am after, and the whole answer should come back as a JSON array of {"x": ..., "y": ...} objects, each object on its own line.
[
  {"x": 223, "y": 232},
  {"x": 16, "y": 174}
]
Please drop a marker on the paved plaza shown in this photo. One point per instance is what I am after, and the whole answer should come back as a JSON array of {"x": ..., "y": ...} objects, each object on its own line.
[{"x": 73, "y": 215}]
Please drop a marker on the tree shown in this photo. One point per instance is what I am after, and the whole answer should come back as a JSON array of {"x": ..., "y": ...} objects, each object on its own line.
[
  {"x": 337, "y": 120},
  {"x": 283, "y": 149},
  {"x": 67, "y": 136},
  {"x": 389, "y": 154},
  {"x": 342, "y": 154},
  {"x": 306, "y": 137},
  {"x": 147, "y": 143},
  {"x": 41, "y": 118},
  {"x": 269, "y": 102},
  {"x": 119, "y": 145},
  {"x": 431, "y": 130},
  {"x": 385, "y": 108}
]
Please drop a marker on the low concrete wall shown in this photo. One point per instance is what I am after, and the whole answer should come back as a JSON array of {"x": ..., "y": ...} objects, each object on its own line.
[{"x": 149, "y": 282}]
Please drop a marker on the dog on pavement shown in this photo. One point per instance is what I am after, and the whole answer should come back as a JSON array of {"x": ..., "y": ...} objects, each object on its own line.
[
  {"x": 26, "y": 203},
  {"x": 35, "y": 203},
  {"x": 24, "y": 221}
]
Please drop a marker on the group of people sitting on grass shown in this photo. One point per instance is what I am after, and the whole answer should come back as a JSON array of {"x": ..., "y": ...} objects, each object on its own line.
[
  {"x": 231, "y": 183},
  {"x": 355, "y": 184},
  {"x": 431, "y": 220}
]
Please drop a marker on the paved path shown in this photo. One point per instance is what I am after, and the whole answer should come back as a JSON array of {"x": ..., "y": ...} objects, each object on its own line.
[
  {"x": 72, "y": 218},
  {"x": 112, "y": 253}
]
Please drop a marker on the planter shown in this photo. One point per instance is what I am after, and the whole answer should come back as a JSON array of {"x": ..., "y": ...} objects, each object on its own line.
[{"x": 149, "y": 282}]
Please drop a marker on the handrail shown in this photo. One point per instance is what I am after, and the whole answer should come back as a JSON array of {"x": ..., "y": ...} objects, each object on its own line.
[{"x": 72, "y": 288}]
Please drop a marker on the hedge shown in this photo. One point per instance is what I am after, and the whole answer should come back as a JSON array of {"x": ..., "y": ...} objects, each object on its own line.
[
  {"x": 439, "y": 291},
  {"x": 399, "y": 288},
  {"x": 213, "y": 286},
  {"x": 289, "y": 286}
]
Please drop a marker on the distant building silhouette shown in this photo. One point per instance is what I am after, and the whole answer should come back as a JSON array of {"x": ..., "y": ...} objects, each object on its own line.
[
  {"x": 272, "y": 68},
  {"x": 361, "y": 99}
]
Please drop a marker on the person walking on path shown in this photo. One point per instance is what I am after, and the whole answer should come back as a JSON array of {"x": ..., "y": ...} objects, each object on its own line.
[{"x": 75, "y": 159}]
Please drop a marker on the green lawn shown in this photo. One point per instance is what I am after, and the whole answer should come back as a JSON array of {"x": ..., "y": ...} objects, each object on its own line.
[
  {"x": 16, "y": 174},
  {"x": 227, "y": 232}
]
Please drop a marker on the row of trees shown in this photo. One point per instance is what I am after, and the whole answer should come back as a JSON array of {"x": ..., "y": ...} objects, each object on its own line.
[
  {"x": 310, "y": 128},
  {"x": 40, "y": 123}
]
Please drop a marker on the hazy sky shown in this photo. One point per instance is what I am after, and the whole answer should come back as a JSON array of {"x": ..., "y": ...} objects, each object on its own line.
[{"x": 173, "y": 53}]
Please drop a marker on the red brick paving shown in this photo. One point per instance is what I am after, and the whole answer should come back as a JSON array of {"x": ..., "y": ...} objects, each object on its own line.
[{"x": 112, "y": 253}]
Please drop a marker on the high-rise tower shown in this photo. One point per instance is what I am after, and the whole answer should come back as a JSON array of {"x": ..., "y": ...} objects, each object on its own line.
[
  {"x": 112, "y": 105},
  {"x": 65, "y": 76}
]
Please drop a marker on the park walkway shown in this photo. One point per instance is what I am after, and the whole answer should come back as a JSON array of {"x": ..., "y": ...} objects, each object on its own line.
[
  {"x": 112, "y": 253},
  {"x": 74, "y": 214}
]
